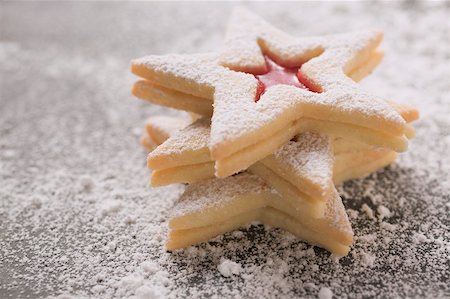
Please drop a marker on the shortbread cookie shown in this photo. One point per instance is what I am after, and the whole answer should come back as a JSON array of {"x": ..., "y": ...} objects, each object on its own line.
[
  {"x": 160, "y": 95},
  {"x": 216, "y": 206},
  {"x": 186, "y": 147},
  {"x": 146, "y": 141},
  {"x": 252, "y": 121},
  {"x": 189, "y": 228},
  {"x": 160, "y": 128},
  {"x": 358, "y": 164},
  {"x": 301, "y": 170},
  {"x": 184, "y": 158},
  {"x": 304, "y": 170}
]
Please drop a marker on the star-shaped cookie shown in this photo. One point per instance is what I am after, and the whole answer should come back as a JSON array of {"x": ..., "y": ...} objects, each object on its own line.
[
  {"x": 304, "y": 170},
  {"x": 213, "y": 207},
  {"x": 216, "y": 206},
  {"x": 251, "y": 121}
]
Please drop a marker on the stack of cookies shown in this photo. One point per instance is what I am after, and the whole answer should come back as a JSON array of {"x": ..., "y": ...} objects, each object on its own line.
[{"x": 275, "y": 123}]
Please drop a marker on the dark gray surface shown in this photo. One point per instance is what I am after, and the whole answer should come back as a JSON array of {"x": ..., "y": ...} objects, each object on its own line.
[{"x": 67, "y": 120}]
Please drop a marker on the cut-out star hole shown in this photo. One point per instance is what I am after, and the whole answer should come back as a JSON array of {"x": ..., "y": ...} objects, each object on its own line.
[{"x": 277, "y": 74}]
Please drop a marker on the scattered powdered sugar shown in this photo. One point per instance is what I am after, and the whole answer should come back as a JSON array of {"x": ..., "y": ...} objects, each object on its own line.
[
  {"x": 325, "y": 293},
  {"x": 370, "y": 238},
  {"x": 310, "y": 157},
  {"x": 419, "y": 238},
  {"x": 367, "y": 259},
  {"x": 150, "y": 267},
  {"x": 194, "y": 137},
  {"x": 110, "y": 206},
  {"x": 169, "y": 125},
  {"x": 228, "y": 268},
  {"x": 146, "y": 292},
  {"x": 7, "y": 154},
  {"x": 217, "y": 192},
  {"x": 352, "y": 214},
  {"x": 369, "y": 212},
  {"x": 383, "y": 212},
  {"x": 388, "y": 226},
  {"x": 70, "y": 154}
]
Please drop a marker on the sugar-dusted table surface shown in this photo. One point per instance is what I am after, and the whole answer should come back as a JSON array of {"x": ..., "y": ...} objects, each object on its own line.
[{"x": 78, "y": 219}]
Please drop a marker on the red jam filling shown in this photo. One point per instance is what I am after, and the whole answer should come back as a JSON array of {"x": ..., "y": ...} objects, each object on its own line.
[{"x": 276, "y": 74}]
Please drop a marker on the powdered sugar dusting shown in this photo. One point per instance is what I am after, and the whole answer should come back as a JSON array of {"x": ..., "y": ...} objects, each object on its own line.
[
  {"x": 368, "y": 211},
  {"x": 194, "y": 137},
  {"x": 237, "y": 116},
  {"x": 325, "y": 293},
  {"x": 217, "y": 192},
  {"x": 228, "y": 268},
  {"x": 201, "y": 196},
  {"x": 336, "y": 215},
  {"x": 199, "y": 70},
  {"x": 53, "y": 241},
  {"x": 311, "y": 157},
  {"x": 167, "y": 126},
  {"x": 383, "y": 212},
  {"x": 246, "y": 31}
]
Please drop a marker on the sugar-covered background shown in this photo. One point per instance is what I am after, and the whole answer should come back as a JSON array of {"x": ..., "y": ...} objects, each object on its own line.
[{"x": 78, "y": 219}]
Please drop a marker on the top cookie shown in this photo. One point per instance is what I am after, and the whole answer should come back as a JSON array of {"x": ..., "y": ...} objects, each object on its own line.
[{"x": 254, "y": 116}]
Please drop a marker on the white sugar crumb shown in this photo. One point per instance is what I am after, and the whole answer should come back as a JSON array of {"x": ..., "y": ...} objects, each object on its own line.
[
  {"x": 310, "y": 285},
  {"x": 110, "y": 207},
  {"x": 367, "y": 259},
  {"x": 420, "y": 238},
  {"x": 229, "y": 268},
  {"x": 238, "y": 234},
  {"x": 352, "y": 214},
  {"x": 149, "y": 267},
  {"x": 136, "y": 131},
  {"x": 325, "y": 293},
  {"x": 130, "y": 219},
  {"x": 314, "y": 268},
  {"x": 335, "y": 258},
  {"x": 369, "y": 212},
  {"x": 145, "y": 292},
  {"x": 131, "y": 282},
  {"x": 401, "y": 202},
  {"x": 388, "y": 226},
  {"x": 370, "y": 238},
  {"x": 383, "y": 212},
  {"x": 97, "y": 289},
  {"x": 310, "y": 252},
  {"x": 8, "y": 154}
]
